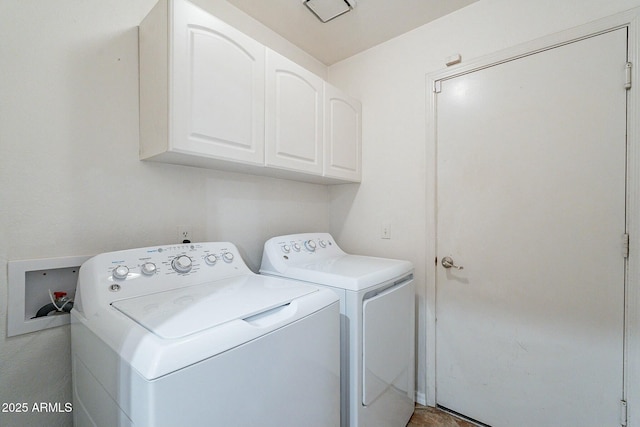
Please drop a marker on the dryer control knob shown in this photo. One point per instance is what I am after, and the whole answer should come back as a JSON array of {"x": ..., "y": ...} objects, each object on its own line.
[
  {"x": 148, "y": 268},
  {"x": 286, "y": 249},
  {"x": 322, "y": 243},
  {"x": 120, "y": 272},
  {"x": 182, "y": 264},
  {"x": 211, "y": 259},
  {"x": 296, "y": 247},
  {"x": 310, "y": 245},
  {"x": 227, "y": 257}
]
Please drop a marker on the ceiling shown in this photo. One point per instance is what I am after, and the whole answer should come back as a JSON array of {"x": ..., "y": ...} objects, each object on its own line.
[{"x": 371, "y": 22}]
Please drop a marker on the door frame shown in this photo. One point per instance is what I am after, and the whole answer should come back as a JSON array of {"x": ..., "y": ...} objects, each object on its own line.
[{"x": 630, "y": 20}]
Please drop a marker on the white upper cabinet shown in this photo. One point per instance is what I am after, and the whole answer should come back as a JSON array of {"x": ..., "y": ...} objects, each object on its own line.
[
  {"x": 343, "y": 135},
  {"x": 210, "y": 96},
  {"x": 202, "y": 81},
  {"x": 293, "y": 116}
]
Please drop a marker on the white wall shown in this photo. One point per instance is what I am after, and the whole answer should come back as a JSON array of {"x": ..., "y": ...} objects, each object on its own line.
[
  {"x": 71, "y": 184},
  {"x": 70, "y": 179},
  {"x": 397, "y": 162}
]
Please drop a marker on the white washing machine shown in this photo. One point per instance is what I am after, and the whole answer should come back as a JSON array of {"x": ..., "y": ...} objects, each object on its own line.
[
  {"x": 187, "y": 335},
  {"x": 377, "y": 323}
]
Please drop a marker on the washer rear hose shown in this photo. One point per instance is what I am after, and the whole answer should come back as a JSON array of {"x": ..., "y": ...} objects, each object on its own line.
[
  {"x": 46, "y": 309},
  {"x": 60, "y": 303}
]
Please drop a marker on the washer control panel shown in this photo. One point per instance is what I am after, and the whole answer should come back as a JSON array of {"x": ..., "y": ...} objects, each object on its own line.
[
  {"x": 182, "y": 259},
  {"x": 134, "y": 272}
]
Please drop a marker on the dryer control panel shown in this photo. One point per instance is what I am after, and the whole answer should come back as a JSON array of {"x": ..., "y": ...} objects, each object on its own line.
[
  {"x": 124, "y": 274},
  {"x": 297, "y": 249}
]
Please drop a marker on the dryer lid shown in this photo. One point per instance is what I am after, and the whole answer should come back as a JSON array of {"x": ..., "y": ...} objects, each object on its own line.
[
  {"x": 351, "y": 272},
  {"x": 185, "y": 311}
]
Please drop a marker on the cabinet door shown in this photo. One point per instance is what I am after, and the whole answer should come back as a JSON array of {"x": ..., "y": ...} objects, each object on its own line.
[
  {"x": 294, "y": 116},
  {"x": 342, "y": 135},
  {"x": 217, "y": 86}
]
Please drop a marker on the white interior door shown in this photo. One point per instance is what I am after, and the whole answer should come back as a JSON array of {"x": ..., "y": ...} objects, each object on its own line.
[{"x": 531, "y": 202}]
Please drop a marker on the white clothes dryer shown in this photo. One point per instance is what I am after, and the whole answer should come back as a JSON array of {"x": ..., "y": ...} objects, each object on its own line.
[
  {"x": 377, "y": 323},
  {"x": 187, "y": 335}
]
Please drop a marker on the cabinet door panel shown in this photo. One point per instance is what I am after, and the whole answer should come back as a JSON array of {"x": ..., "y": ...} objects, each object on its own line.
[
  {"x": 294, "y": 116},
  {"x": 343, "y": 135},
  {"x": 218, "y": 88},
  {"x": 213, "y": 86}
]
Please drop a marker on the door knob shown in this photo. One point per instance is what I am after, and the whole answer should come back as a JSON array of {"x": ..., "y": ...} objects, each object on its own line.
[{"x": 447, "y": 262}]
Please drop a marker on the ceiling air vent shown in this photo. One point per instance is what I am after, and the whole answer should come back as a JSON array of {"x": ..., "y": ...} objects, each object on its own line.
[{"x": 326, "y": 10}]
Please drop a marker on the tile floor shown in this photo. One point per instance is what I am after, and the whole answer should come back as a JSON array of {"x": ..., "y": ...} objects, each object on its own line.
[{"x": 432, "y": 417}]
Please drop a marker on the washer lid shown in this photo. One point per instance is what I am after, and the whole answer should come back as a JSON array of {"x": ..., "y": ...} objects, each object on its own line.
[
  {"x": 352, "y": 272},
  {"x": 185, "y": 311}
]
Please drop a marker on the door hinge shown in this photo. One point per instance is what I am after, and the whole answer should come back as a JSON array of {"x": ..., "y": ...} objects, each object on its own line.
[
  {"x": 625, "y": 245},
  {"x": 627, "y": 68},
  {"x": 623, "y": 412},
  {"x": 437, "y": 86}
]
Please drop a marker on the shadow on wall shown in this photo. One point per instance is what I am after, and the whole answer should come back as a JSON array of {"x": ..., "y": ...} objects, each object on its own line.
[
  {"x": 341, "y": 202},
  {"x": 99, "y": 162},
  {"x": 248, "y": 210}
]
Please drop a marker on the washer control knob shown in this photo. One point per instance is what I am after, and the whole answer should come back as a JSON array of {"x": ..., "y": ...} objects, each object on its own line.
[
  {"x": 182, "y": 264},
  {"x": 210, "y": 259},
  {"x": 148, "y": 268},
  {"x": 310, "y": 245},
  {"x": 227, "y": 256},
  {"x": 286, "y": 249},
  {"x": 296, "y": 247},
  {"x": 322, "y": 243},
  {"x": 120, "y": 272}
]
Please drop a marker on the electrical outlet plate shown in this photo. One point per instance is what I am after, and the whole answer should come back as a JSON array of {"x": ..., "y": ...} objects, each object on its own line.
[
  {"x": 184, "y": 233},
  {"x": 29, "y": 285},
  {"x": 385, "y": 230}
]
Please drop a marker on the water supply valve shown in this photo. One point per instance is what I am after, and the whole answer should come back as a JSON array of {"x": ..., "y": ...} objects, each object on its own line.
[{"x": 60, "y": 304}]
